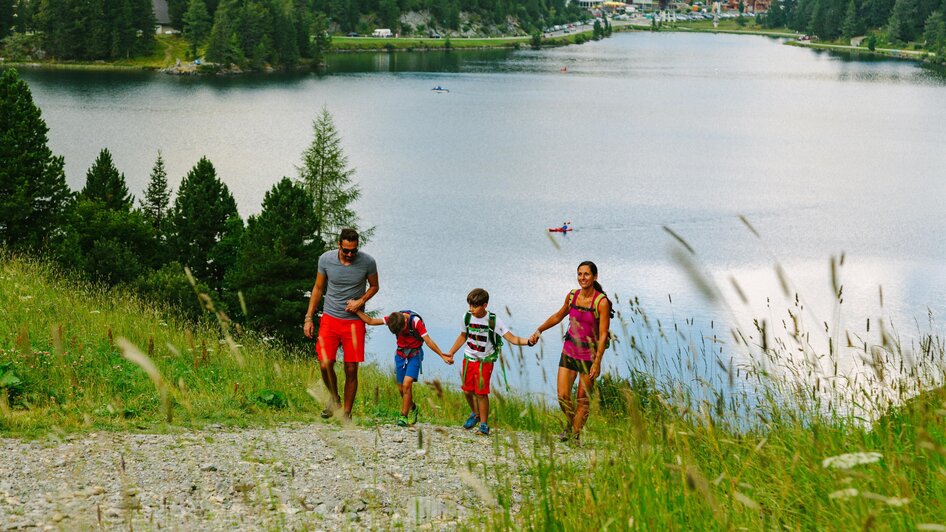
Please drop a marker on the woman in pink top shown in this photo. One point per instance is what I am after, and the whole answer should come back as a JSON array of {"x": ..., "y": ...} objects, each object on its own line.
[{"x": 589, "y": 317}]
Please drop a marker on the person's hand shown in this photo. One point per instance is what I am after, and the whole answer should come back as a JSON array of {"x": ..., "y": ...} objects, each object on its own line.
[
  {"x": 595, "y": 370},
  {"x": 534, "y": 339},
  {"x": 353, "y": 305},
  {"x": 447, "y": 360},
  {"x": 308, "y": 329}
]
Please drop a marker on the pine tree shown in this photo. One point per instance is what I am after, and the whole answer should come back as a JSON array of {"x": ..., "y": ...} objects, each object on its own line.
[
  {"x": 935, "y": 33},
  {"x": 852, "y": 23},
  {"x": 325, "y": 174},
  {"x": 902, "y": 26},
  {"x": 105, "y": 184},
  {"x": 157, "y": 197},
  {"x": 199, "y": 222},
  {"x": 197, "y": 24},
  {"x": 34, "y": 196},
  {"x": 6, "y": 18},
  {"x": 276, "y": 256}
]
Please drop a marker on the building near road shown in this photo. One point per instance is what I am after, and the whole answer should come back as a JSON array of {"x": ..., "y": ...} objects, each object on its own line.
[{"x": 162, "y": 17}]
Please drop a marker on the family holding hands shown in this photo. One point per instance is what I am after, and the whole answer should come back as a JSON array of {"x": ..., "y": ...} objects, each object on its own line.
[{"x": 347, "y": 279}]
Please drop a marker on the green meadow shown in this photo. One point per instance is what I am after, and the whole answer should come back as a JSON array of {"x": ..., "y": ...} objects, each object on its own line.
[{"x": 773, "y": 444}]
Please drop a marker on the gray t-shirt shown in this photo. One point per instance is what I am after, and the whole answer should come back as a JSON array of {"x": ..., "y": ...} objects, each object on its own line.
[{"x": 344, "y": 282}]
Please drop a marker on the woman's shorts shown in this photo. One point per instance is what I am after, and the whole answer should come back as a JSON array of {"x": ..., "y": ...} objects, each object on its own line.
[
  {"x": 476, "y": 375},
  {"x": 408, "y": 367},
  {"x": 581, "y": 366}
]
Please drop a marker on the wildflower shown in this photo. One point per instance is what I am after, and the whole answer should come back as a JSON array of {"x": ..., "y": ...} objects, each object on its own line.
[
  {"x": 846, "y": 493},
  {"x": 849, "y": 460},
  {"x": 890, "y": 501}
]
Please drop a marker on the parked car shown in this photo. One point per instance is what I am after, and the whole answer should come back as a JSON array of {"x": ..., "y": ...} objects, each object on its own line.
[{"x": 353, "y": 34}]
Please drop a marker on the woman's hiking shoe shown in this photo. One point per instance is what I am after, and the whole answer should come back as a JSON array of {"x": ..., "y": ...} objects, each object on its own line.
[
  {"x": 414, "y": 413},
  {"x": 484, "y": 429},
  {"x": 402, "y": 421},
  {"x": 471, "y": 421}
]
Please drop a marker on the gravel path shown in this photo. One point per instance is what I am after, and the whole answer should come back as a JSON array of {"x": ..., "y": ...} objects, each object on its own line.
[{"x": 301, "y": 476}]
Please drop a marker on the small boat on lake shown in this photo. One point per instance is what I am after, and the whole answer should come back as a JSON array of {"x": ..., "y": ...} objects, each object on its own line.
[
  {"x": 438, "y": 88},
  {"x": 560, "y": 229}
]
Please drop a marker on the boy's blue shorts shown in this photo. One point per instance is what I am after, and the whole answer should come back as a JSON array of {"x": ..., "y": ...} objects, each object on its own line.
[{"x": 408, "y": 367}]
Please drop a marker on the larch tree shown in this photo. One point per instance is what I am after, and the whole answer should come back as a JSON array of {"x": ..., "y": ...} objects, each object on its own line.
[{"x": 327, "y": 177}]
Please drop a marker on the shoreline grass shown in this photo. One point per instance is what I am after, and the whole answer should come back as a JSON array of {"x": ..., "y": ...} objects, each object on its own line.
[{"x": 786, "y": 443}]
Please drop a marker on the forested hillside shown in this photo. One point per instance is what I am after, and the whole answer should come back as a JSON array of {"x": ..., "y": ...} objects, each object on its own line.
[
  {"x": 896, "y": 21},
  {"x": 250, "y": 33}
]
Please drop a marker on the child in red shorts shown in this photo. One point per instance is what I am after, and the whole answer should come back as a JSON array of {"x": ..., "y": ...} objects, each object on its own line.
[{"x": 482, "y": 333}]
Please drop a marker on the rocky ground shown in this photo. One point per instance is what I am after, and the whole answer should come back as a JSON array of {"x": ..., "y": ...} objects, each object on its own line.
[{"x": 303, "y": 476}]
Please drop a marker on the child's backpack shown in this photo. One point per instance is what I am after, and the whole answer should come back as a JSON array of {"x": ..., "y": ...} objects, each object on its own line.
[
  {"x": 494, "y": 338},
  {"x": 573, "y": 296},
  {"x": 407, "y": 352},
  {"x": 411, "y": 330}
]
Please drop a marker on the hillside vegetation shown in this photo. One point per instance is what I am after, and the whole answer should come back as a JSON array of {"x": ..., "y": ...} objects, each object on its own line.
[{"x": 650, "y": 459}]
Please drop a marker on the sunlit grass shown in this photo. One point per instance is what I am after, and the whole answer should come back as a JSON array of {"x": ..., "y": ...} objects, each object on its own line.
[{"x": 72, "y": 346}]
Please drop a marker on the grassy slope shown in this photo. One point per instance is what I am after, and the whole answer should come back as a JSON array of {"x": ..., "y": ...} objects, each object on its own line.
[
  {"x": 60, "y": 339},
  {"x": 645, "y": 463}
]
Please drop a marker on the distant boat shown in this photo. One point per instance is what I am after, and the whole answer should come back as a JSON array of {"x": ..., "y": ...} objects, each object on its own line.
[
  {"x": 560, "y": 230},
  {"x": 438, "y": 88}
]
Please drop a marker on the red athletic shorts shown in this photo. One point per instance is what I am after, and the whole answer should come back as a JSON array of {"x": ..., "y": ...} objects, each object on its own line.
[
  {"x": 334, "y": 331},
  {"x": 476, "y": 375}
]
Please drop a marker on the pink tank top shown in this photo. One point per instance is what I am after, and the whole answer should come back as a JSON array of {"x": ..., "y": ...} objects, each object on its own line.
[{"x": 581, "y": 337}]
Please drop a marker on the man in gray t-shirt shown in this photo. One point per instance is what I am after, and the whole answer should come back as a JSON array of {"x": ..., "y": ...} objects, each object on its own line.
[{"x": 348, "y": 279}]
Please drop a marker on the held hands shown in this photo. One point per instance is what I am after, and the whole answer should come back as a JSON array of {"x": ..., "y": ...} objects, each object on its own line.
[
  {"x": 354, "y": 304},
  {"x": 448, "y": 359},
  {"x": 534, "y": 339}
]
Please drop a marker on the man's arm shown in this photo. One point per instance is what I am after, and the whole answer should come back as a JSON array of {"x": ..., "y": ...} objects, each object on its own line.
[
  {"x": 317, "y": 290},
  {"x": 355, "y": 304}
]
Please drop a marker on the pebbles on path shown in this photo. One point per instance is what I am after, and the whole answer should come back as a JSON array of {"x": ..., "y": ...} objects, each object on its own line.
[{"x": 290, "y": 477}]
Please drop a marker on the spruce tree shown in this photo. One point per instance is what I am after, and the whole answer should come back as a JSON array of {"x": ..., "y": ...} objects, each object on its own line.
[
  {"x": 197, "y": 24},
  {"x": 157, "y": 197},
  {"x": 327, "y": 177},
  {"x": 34, "y": 196},
  {"x": 6, "y": 18},
  {"x": 106, "y": 185},
  {"x": 201, "y": 220},
  {"x": 277, "y": 253},
  {"x": 935, "y": 33},
  {"x": 852, "y": 23}
]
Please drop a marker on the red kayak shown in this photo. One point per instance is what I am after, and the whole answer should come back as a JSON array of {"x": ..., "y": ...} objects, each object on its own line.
[{"x": 559, "y": 230}]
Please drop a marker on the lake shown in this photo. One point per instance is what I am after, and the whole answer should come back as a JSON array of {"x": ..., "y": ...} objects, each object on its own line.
[{"x": 822, "y": 154}]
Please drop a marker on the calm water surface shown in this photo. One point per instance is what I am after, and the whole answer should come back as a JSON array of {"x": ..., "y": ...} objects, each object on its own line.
[{"x": 823, "y": 155}]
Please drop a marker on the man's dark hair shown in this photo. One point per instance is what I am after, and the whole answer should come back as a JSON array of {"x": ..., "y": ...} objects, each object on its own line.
[
  {"x": 477, "y": 297},
  {"x": 348, "y": 234}
]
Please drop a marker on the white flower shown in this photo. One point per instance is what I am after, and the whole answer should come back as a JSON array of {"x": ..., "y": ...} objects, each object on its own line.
[
  {"x": 849, "y": 460},
  {"x": 843, "y": 494}
]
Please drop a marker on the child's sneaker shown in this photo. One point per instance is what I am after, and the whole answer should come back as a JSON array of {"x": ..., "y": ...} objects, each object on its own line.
[
  {"x": 484, "y": 429},
  {"x": 471, "y": 421},
  {"x": 402, "y": 421},
  {"x": 414, "y": 413}
]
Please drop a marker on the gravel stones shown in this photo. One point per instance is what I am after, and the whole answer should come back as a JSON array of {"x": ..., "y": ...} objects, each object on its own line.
[{"x": 300, "y": 476}]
